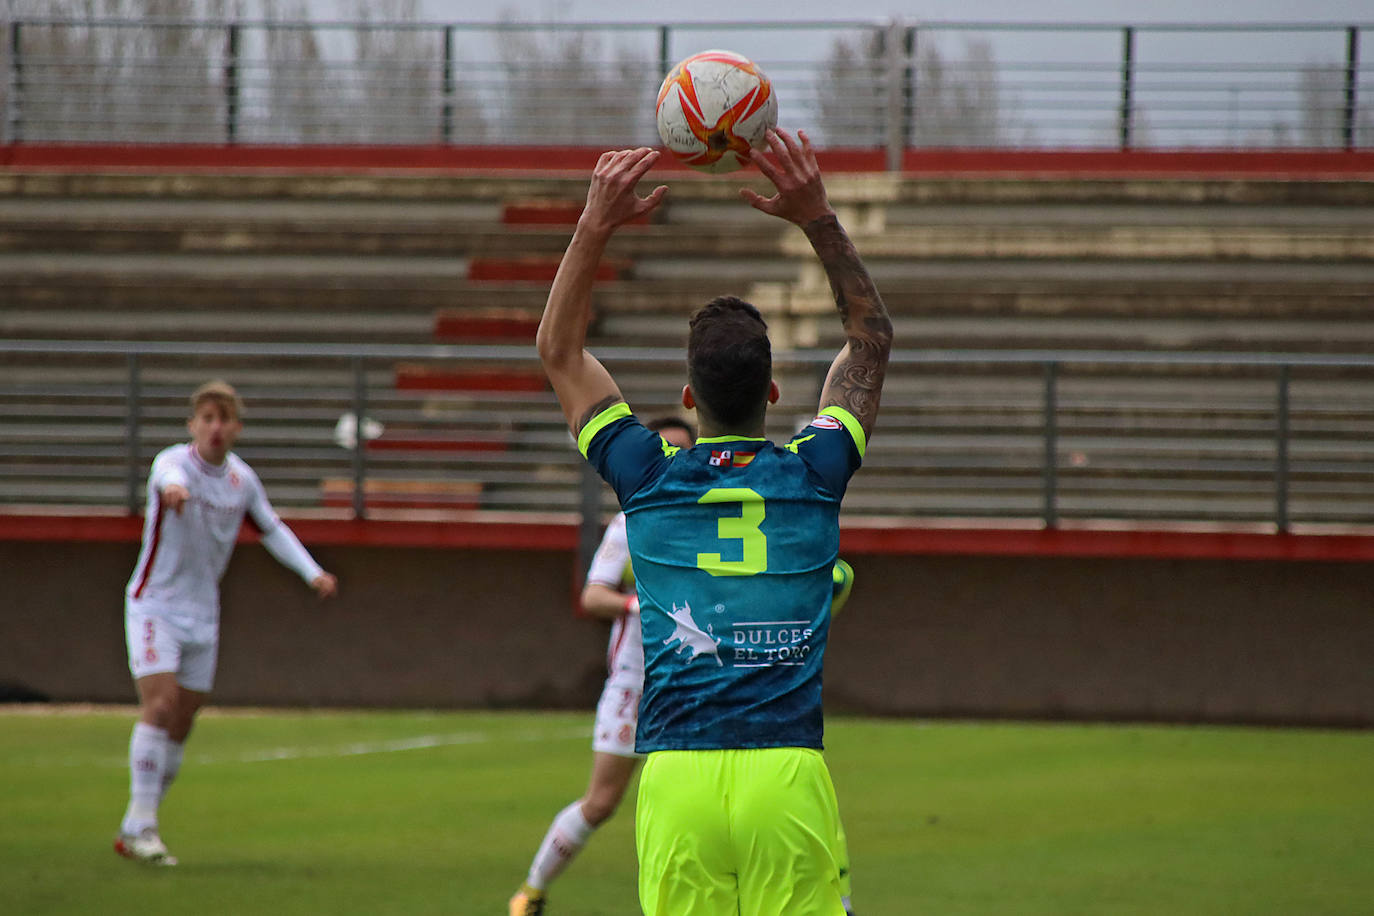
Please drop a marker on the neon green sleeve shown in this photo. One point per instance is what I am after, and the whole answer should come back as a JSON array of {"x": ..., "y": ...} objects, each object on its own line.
[
  {"x": 851, "y": 423},
  {"x": 600, "y": 422}
]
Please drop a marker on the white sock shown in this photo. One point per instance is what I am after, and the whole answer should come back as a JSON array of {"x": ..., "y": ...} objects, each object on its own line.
[
  {"x": 567, "y": 835},
  {"x": 147, "y": 760},
  {"x": 171, "y": 766}
]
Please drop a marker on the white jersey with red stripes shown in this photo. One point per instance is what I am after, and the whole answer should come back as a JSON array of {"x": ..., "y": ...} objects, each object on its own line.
[
  {"x": 185, "y": 553},
  {"x": 611, "y": 568}
]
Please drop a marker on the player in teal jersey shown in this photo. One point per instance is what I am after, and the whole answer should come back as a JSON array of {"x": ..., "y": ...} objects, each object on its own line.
[{"x": 733, "y": 542}]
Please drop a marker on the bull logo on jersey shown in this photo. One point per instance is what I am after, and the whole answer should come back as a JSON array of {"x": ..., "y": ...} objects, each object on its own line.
[{"x": 690, "y": 636}]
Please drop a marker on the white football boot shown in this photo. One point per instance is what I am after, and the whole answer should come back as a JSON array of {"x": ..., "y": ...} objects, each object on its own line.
[{"x": 145, "y": 846}]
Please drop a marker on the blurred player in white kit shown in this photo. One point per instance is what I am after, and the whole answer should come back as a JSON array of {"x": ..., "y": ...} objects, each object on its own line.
[
  {"x": 198, "y": 495},
  {"x": 609, "y": 593}
]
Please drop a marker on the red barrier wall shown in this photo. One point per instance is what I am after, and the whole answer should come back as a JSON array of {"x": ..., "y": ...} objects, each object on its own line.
[
  {"x": 1296, "y": 163},
  {"x": 479, "y": 615},
  {"x": 516, "y": 531}
]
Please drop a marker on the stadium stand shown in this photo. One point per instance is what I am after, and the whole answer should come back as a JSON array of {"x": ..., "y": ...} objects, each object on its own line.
[{"x": 993, "y": 264}]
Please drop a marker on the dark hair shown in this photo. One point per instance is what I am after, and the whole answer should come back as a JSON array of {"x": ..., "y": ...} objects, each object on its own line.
[
  {"x": 659, "y": 424},
  {"x": 729, "y": 361}
]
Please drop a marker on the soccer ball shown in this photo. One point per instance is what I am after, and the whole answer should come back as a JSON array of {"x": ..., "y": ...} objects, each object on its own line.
[{"x": 712, "y": 107}]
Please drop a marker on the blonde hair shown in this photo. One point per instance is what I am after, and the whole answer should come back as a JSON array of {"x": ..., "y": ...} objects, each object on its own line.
[{"x": 221, "y": 392}]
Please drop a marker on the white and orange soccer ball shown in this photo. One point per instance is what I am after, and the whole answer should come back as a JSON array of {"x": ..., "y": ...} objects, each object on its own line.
[{"x": 712, "y": 107}]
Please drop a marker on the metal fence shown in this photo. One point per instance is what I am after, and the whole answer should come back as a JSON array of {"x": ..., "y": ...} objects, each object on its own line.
[
  {"x": 1275, "y": 440},
  {"x": 893, "y": 86}
]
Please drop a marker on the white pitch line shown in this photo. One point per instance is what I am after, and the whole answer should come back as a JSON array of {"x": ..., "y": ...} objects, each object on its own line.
[{"x": 354, "y": 749}]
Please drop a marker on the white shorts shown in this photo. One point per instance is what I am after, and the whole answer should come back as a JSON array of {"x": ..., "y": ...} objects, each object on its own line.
[
  {"x": 617, "y": 714},
  {"x": 171, "y": 643}
]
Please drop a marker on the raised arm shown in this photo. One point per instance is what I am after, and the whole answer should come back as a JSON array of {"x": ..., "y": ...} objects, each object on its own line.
[
  {"x": 855, "y": 380},
  {"x": 583, "y": 386}
]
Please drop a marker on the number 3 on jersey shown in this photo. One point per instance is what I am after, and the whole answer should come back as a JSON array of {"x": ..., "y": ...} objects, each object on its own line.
[{"x": 743, "y": 528}]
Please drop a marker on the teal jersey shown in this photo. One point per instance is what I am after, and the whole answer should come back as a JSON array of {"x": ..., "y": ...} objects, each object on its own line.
[{"x": 733, "y": 543}]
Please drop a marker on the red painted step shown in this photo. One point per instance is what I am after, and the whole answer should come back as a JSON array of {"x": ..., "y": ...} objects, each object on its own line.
[
  {"x": 534, "y": 269},
  {"x": 467, "y": 324},
  {"x": 541, "y": 213},
  {"x": 413, "y": 377},
  {"x": 552, "y": 213}
]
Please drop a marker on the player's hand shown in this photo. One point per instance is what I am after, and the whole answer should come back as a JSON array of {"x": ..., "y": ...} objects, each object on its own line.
[
  {"x": 611, "y": 199},
  {"x": 800, "y": 196},
  {"x": 174, "y": 497},
  {"x": 325, "y": 585}
]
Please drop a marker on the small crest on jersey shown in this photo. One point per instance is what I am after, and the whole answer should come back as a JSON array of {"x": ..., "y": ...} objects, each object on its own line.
[
  {"x": 234, "y": 480},
  {"x": 826, "y": 422},
  {"x": 742, "y": 459},
  {"x": 720, "y": 458}
]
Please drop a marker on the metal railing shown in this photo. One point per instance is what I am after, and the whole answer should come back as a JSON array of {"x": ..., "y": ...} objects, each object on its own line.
[
  {"x": 1217, "y": 438},
  {"x": 856, "y": 84}
]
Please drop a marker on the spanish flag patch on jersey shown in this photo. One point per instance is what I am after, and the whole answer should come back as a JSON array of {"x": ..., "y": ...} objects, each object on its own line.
[{"x": 729, "y": 458}]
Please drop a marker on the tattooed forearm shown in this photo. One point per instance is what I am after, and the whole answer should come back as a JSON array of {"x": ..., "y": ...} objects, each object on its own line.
[
  {"x": 856, "y": 377},
  {"x": 855, "y": 380},
  {"x": 849, "y": 280}
]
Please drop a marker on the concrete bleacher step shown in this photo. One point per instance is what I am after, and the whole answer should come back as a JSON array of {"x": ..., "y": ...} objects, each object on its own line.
[
  {"x": 432, "y": 440},
  {"x": 249, "y": 238},
  {"x": 419, "y": 377},
  {"x": 379, "y": 493},
  {"x": 195, "y": 283},
  {"x": 1126, "y": 495},
  {"x": 244, "y": 230},
  {"x": 1096, "y": 243},
  {"x": 1128, "y": 297},
  {"x": 537, "y": 269},
  {"x": 943, "y": 332},
  {"x": 205, "y": 324},
  {"x": 1106, "y": 297},
  {"x": 203, "y": 234},
  {"x": 967, "y": 263},
  {"x": 945, "y": 420},
  {"x": 542, "y": 212},
  {"x": 452, "y": 325},
  {"x": 1291, "y": 335},
  {"x": 274, "y": 285},
  {"x": 883, "y": 189},
  {"x": 218, "y": 284}
]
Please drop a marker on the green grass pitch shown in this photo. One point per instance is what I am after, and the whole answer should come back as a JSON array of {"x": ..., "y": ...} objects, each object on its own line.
[{"x": 417, "y": 813}]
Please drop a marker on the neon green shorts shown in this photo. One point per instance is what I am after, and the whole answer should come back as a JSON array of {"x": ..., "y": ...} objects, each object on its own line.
[{"x": 750, "y": 832}]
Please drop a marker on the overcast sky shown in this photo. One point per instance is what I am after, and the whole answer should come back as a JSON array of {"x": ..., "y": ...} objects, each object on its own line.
[
  {"x": 1247, "y": 83},
  {"x": 954, "y": 10},
  {"x": 780, "y": 11}
]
